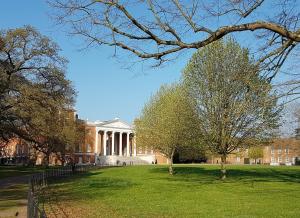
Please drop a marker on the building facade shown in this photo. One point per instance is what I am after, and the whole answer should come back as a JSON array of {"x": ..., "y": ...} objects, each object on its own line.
[
  {"x": 113, "y": 142},
  {"x": 282, "y": 151}
]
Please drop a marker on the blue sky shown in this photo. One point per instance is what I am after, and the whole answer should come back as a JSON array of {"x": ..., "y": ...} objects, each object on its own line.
[{"x": 105, "y": 88}]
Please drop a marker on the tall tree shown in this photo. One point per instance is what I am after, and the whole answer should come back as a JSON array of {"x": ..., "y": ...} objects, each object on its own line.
[
  {"x": 167, "y": 122},
  {"x": 33, "y": 87},
  {"x": 235, "y": 105}
]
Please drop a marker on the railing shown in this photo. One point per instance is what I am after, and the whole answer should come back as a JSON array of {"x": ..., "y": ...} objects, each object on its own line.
[{"x": 38, "y": 182}]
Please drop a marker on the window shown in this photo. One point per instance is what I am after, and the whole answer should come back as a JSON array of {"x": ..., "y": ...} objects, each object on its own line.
[
  {"x": 279, "y": 159},
  {"x": 272, "y": 160},
  {"x": 287, "y": 159},
  {"x": 272, "y": 149},
  {"x": 79, "y": 148},
  {"x": 279, "y": 149},
  {"x": 238, "y": 159},
  {"x": 80, "y": 160},
  {"x": 88, "y": 148},
  {"x": 17, "y": 149},
  {"x": 88, "y": 159},
  {"x": 287, "y": 149}
]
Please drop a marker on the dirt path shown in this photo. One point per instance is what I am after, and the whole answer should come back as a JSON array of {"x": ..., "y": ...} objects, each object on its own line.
[{"x": 13, "y": 196}]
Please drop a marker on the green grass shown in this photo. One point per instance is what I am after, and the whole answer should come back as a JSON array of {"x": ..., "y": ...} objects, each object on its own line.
[
  {"x": 13, "y": 199},
  {"x": 11, "y": 171},
  {"x": 194, "y": 191}
]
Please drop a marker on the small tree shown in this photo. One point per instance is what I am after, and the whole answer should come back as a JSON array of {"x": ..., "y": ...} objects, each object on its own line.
[
  {"x": 256, "y": 153},
  {"x": 167, "y": 122},
  {"x": 235, "y": 105}
]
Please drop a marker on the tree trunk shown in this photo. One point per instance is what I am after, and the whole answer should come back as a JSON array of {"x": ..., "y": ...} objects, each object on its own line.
[
  {"x": 223, "y": 169},
  {"x": 171, "y": 171}
]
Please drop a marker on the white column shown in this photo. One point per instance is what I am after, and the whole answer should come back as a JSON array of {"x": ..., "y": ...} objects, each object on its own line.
[
  {"x": 120, "y": 144},
  {"x": 134, "y": 146},
  {"x": 96, "y": 142},
  {"x": 127, "y": 145},
  {"x": 112, "y": 143},
  {"x": 104, "y": 143}
]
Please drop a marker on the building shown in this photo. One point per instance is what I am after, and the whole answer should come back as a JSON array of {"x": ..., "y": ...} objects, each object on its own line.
[
  {"x": 282, "y": 151},
  {"x": 16, "y": 151},
  {"x": 113, "y": 142}
]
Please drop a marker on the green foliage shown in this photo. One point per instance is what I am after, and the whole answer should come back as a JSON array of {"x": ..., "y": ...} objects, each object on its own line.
[
  {"x": 235, "y": 104},
  {"x": 256, "y": 152},
  {"x": 34, "y": 92},
  {"x": 167, "y": 122},
  {"x": 190, "y": 154}
]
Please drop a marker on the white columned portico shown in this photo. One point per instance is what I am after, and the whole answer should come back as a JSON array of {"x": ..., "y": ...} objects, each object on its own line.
[
  {"x": 134, "y": 146},
  {"x": 96, "y": 142},
  {"x": 120, "y": 144},
  {"x": 112, "y": 143},
  {"x": 127, "y": 145},
  {"x": 104, "y": 143}
]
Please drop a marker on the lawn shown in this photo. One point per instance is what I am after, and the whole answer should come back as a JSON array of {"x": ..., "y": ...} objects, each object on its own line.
[
  {"x": 13, "y": 191},
  {"x": 11, "y": 171},
  {"x": 194, "y": 191},
  {"x": 13, "y": 199}
]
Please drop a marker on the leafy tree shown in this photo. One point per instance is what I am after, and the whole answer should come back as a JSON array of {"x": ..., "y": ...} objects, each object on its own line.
[
  {"x": 167, "y": 122},
  {"x": 235, "y": 105},
  {"x": 34, "y": 91},
  {"x": 255, "y": 153},
  {"x": 190, "y": 154}
]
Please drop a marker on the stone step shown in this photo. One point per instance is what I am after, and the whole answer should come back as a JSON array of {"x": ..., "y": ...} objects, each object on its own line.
[{"x": 113, "y": 160}]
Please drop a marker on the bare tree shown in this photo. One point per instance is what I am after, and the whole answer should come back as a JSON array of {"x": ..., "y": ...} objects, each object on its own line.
[{"x": 158, "y": 29}]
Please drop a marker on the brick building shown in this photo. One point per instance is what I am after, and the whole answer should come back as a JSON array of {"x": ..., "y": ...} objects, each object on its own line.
[{"x": 282, "y": 151}]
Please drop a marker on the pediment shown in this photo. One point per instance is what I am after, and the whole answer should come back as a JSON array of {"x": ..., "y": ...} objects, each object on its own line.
[{"x": 117, "y": 124}]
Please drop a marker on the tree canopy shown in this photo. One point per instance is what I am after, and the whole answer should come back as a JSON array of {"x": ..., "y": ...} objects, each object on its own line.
[
  {"x": 34, "y": 90},
  {"x": 256, "y": 153},
  {"x": 167, "y": 122},
  {"x": 236, "y": 107}
]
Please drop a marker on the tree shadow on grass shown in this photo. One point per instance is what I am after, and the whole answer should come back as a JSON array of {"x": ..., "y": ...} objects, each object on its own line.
[
  {"x": 84, "y": 186},
  {"x": 206, "y": 175},
  {"x": 13, "y": 196},
  {"x": 90, "y": 183}
]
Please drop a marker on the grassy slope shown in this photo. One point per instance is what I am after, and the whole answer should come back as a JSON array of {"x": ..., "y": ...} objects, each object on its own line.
[{"x": 195, "y": 191}]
